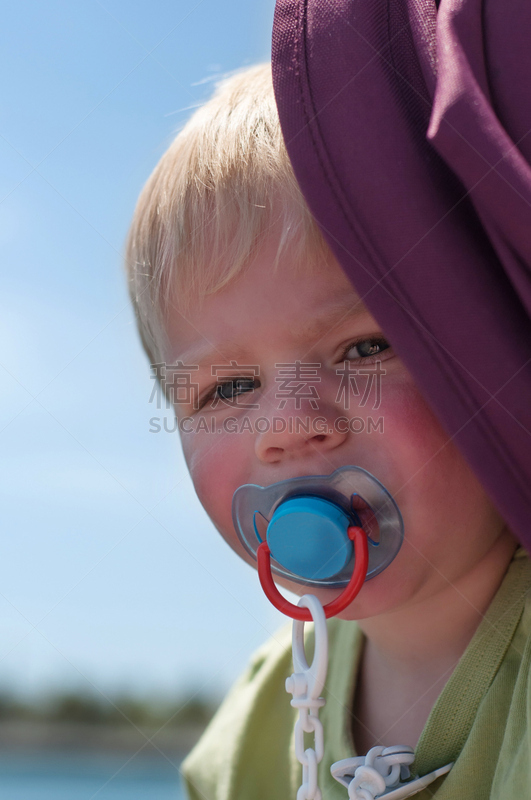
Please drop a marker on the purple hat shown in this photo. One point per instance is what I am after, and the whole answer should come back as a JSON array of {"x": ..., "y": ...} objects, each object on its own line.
[{"x": 409, "y": 130}]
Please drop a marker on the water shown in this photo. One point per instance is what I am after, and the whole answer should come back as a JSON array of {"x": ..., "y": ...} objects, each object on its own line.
[{"x": 87, "y": 777}]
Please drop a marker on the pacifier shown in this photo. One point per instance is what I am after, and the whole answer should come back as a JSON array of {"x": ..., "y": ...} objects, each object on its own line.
[{"x": 331, "y": 531}]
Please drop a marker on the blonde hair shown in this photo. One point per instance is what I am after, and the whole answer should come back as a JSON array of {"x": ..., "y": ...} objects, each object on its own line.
[{"x": 220, "y": 188}]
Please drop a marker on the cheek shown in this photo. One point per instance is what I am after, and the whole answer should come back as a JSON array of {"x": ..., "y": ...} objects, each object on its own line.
[
  {"x": 417, "y": 447},
  {"x": 410, "y": 443},
  {"x": 448, "y": 517},
  {"x": 217, "y": 467},
  {"x": 449, "y": 522}
]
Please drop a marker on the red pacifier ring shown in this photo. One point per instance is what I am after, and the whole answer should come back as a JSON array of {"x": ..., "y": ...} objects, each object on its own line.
[{"x": 361, "y": 554}]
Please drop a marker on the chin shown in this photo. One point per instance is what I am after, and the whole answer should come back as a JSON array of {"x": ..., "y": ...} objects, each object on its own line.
[{"x": 370, "y": 601}]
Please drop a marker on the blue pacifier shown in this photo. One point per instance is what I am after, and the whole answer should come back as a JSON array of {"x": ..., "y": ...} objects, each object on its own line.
[{"x": 305, "y": 523}]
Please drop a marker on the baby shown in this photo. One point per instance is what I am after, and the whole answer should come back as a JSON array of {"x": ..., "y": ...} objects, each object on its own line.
[{"x": 277, "y": 370}]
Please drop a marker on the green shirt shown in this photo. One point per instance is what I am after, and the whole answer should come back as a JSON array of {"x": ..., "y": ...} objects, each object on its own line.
[{"x": 481, "y": 720}]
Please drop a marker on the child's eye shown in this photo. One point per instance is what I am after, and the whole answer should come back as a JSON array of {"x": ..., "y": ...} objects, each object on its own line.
[
  {"x": 229, "y": 390},
  {"x": 366, "y": 348}
]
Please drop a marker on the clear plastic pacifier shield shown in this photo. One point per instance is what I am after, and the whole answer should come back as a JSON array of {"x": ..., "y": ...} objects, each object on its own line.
[{"x": 305, "y": 521}]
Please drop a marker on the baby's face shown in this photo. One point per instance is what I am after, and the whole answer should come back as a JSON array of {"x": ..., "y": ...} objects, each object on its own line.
[{"x": 247, "y": 341}]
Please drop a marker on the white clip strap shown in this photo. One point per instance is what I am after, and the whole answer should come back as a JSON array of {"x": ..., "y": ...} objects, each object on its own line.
[{"x": 306, "y": 684}]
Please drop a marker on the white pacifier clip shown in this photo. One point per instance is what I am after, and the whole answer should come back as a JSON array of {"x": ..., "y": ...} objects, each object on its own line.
[
  {"x": 383, "y": 772},
  {"x": 380, "y": 773}
]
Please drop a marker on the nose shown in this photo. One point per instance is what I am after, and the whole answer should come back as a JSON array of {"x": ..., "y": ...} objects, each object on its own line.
[{"x": 289, "y": 433}]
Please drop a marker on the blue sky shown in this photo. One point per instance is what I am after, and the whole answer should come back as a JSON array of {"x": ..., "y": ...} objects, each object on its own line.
[{"x": 111, "y": 575}]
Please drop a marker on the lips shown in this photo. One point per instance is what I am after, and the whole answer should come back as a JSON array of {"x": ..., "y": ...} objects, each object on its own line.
[{"x": 367, "y": 518}]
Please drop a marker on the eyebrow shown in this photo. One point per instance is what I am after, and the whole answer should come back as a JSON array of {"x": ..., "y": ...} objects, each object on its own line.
[
  {"x": 347, "y": 307},
  {"x": 335, "y": 313},
  {"x": 206, "y": 355}
]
